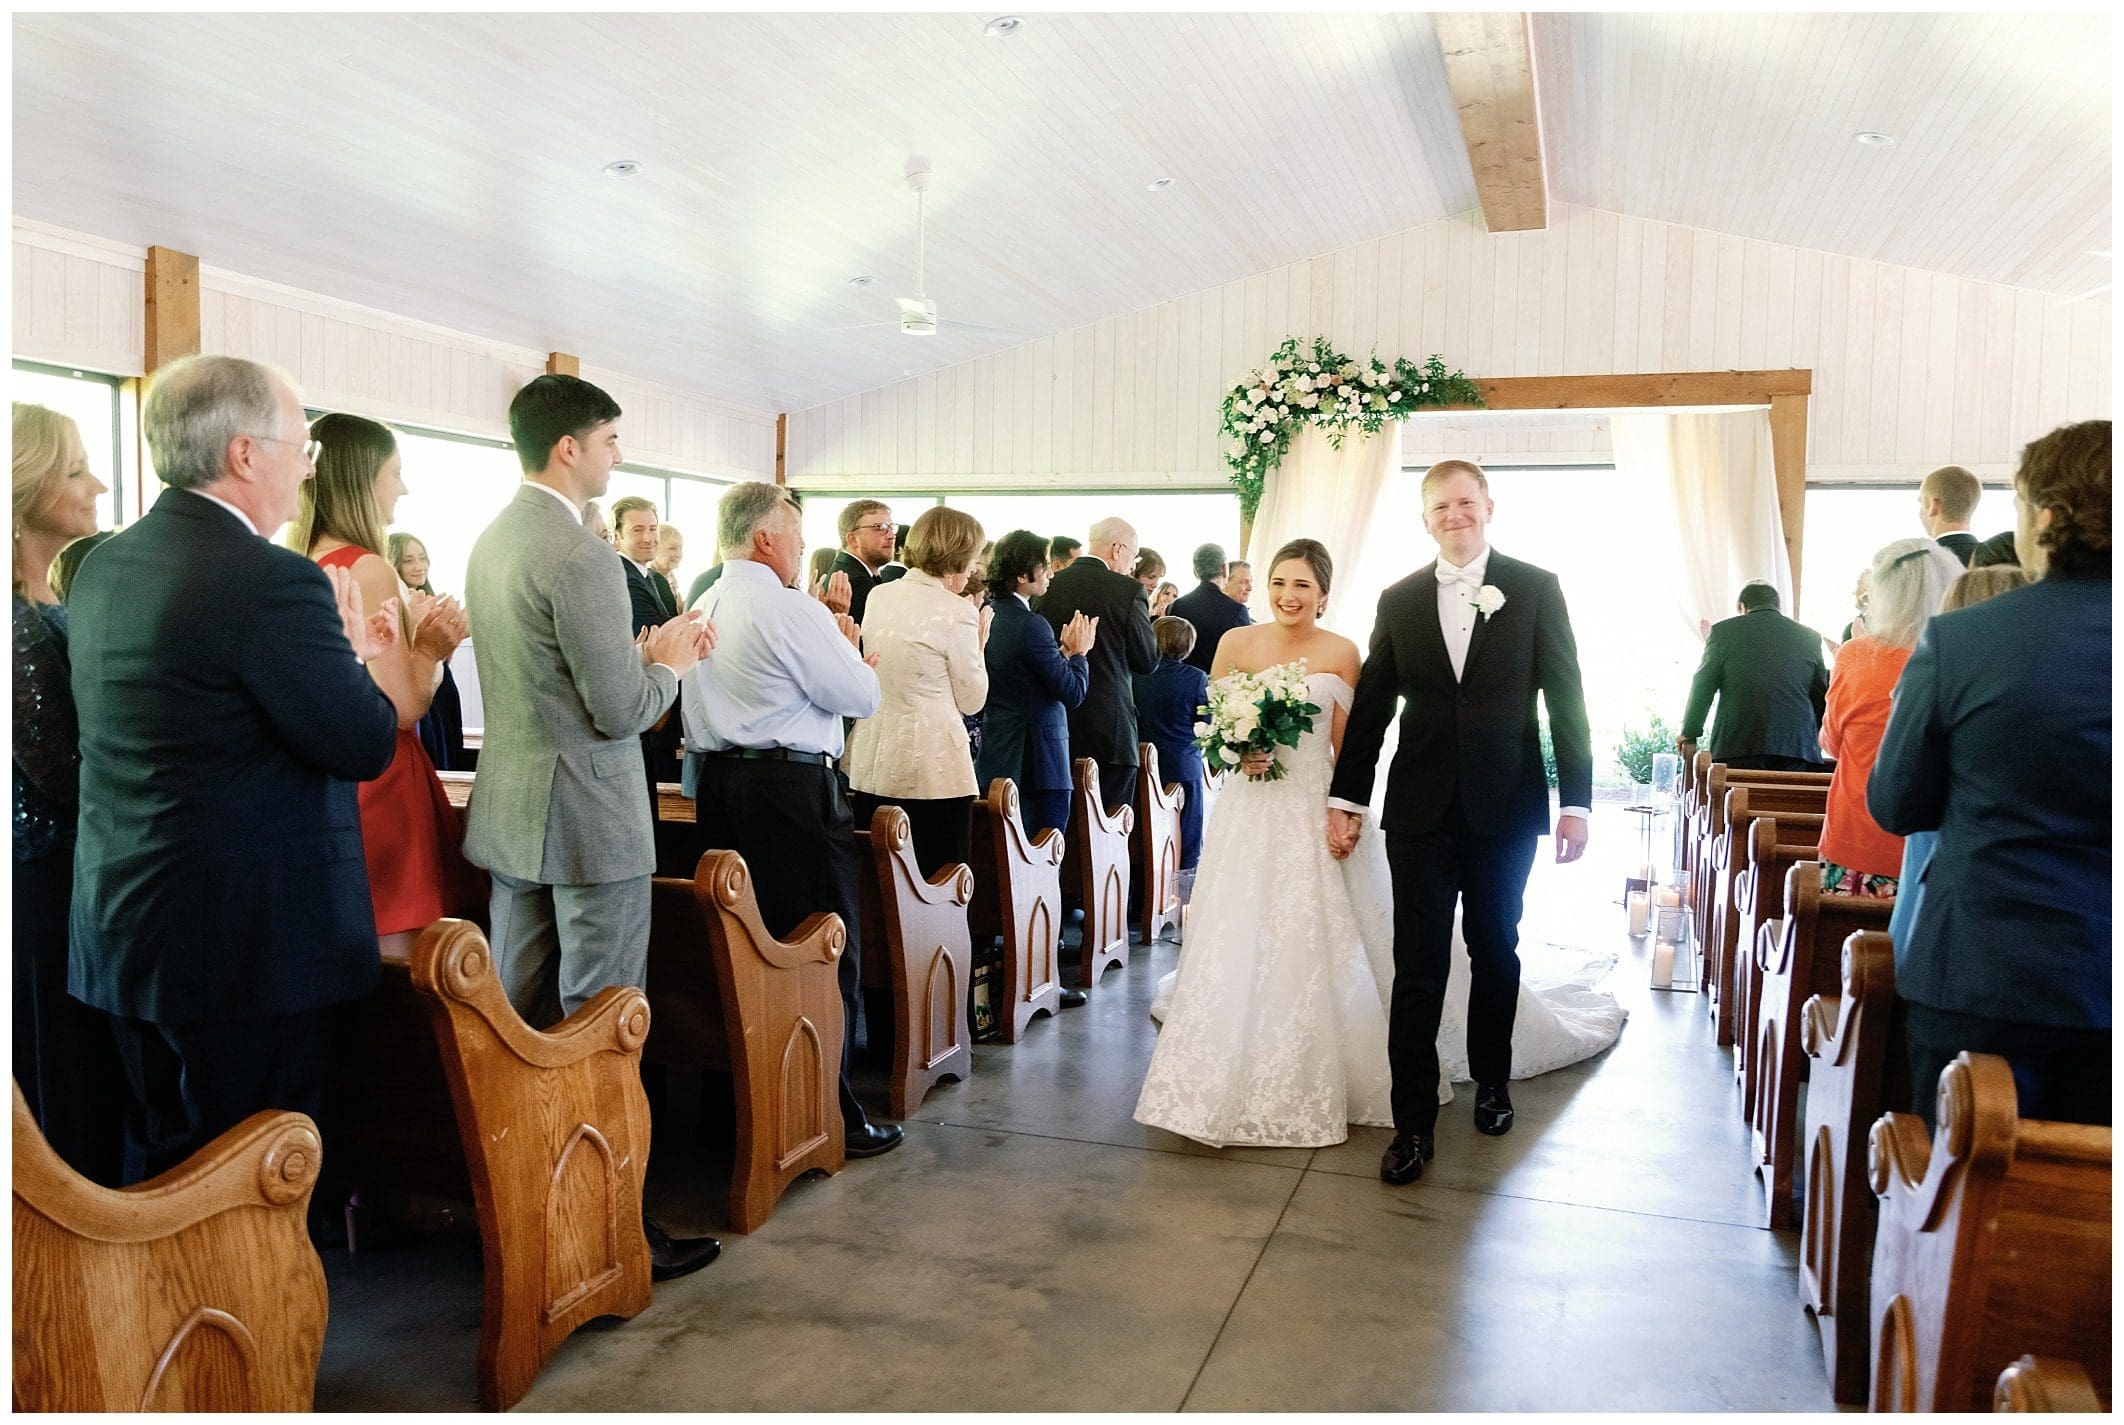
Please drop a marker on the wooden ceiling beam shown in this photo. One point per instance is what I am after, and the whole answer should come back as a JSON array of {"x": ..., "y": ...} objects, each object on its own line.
[{"x": 1489, "y": 65}]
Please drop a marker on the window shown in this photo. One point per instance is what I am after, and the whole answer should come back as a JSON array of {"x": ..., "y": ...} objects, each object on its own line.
[
  {"x": 1848, "y": 525},
  {"x": 1171, "y": 523},
  {"x": 454, "y": 489},
  {"x": 92, "y": 402}
]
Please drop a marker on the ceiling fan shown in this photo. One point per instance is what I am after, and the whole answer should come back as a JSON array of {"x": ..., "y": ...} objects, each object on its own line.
[{"x": 918, "y": 314}]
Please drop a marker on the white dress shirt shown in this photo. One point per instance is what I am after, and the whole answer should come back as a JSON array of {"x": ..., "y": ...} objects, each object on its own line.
[
  {"x": 781, "y": 674},
  {"x": 1457, "y": 587}
]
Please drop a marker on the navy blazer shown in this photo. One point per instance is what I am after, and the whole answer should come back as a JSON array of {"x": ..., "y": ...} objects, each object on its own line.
[
  {"x": 224, "y": 723},
  {"x": 1214, "y": 613},
  {"x": 1168, "y": 703},
  {"x": 1999, "y": 739},
  {"x": 1031, "y": 687}
]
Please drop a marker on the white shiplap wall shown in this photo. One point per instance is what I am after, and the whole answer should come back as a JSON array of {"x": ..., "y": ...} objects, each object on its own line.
[
  {"x": 1912, "y": 369},
  {"x": 78, "y": 301}
]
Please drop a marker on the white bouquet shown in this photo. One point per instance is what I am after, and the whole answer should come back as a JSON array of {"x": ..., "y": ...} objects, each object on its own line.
[{"x": 1255, "y": 712}]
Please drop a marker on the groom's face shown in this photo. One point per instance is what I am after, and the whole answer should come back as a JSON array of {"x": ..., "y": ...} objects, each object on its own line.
[{"x": 1456, "y": 512}]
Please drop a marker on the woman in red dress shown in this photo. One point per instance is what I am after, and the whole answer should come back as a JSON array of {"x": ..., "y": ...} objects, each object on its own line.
[{"x": 410, "y": 833}]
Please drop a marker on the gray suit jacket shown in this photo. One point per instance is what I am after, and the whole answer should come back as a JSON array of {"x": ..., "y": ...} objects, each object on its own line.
[{"x": 560, "y": 798}]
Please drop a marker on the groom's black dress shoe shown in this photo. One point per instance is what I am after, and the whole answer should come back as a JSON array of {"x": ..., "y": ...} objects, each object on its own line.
[
  {"x": 1493, "y": 1109},
  {"x": 1405, "y": 1156},
  {"x": 676, "y": 1256},
  {"x": 1072, "y": 998}
]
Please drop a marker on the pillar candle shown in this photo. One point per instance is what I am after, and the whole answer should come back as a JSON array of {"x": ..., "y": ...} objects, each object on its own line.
[
  {"x": 1667, "y": 896},
  {"x": 1640, "y": 913},
  {"x": 1662, "y": 966}
]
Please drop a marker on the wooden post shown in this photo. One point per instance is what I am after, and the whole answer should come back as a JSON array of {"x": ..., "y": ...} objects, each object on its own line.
[
  {"x": 781, "y": 449},
  {"x": 172, "y": 325},
  {"x": 1788, "y": 452},
  {"x": 560, "y": 363}
]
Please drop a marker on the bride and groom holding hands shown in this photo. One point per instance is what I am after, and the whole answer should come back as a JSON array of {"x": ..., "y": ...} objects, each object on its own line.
[{"x": 1321, "y": 984}]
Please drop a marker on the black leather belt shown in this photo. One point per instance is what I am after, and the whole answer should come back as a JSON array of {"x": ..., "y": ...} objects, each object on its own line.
[{"x": 772, "y": 754}]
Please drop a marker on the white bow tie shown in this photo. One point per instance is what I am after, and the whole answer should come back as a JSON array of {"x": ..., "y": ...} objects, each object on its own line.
[{"x": 1464, "y": 577}]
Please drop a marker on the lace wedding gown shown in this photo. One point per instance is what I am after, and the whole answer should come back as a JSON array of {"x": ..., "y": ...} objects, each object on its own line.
[{"x": 1275, "y": 1021}]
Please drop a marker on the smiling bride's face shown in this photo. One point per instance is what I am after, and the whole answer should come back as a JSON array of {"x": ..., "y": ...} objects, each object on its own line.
[{"x": 1294, "y": 594}]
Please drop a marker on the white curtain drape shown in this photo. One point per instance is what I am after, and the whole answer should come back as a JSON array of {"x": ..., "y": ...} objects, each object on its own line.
[
  {"x": 1708, "y": 486},
  {"x": 1331, "y": 495}
]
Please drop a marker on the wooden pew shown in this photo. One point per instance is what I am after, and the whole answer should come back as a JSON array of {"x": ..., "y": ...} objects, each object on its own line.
[
  {"x": 555, "y": 1128},
  {"x": 1744, "y": 803},
  {"x": 1095, "y": 863},
  {"x": 1155, "y": 845},
  {"x": 732, "y": 999},
  {"x": 1994, "y": 1241},
  {"x": 197, "y": 1290},
  {"x": 1857, "y": 1068},
  {"x": 1710, "y": 828},
  {"x": 678, "y": 839},
  {"x": 1776, "y": 843},
  {"x": 1803, "y": 960},
  {"x": 916, "y": 946},
  {"x": 2044, "y": 1383},
  {"x": 1017, "y": 898}
]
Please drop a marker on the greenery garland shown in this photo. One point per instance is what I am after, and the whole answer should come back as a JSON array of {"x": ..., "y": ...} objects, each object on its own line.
[{"x": 1323, "y": 387}]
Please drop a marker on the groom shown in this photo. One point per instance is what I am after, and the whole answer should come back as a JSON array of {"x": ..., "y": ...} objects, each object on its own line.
[{"x": 1464, "y": 644}]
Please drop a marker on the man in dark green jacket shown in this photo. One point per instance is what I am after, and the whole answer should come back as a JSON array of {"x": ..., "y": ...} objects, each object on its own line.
[{"x": 1767, "y": 674}]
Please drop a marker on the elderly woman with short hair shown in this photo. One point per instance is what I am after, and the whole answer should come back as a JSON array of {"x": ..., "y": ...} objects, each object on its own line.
[
  {"x": 913, "y": 753},
  {"x": 1909, "y": 578}
]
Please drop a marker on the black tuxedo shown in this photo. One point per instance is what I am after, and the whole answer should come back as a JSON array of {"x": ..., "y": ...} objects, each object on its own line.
[
  {"x": 646, "y": 601},
  {"x": 860, "y": 582},
  {"x": 1999, "y": 549},
  {"x": 221, "y": 901},
  {"x": 1214, "y": 613},
  {"x": 1768, "y": 676},
  {"x": 1960, "y": 543},
  {"x": 1103, "y": 726},
  {"x": 1465, "y": 803}
]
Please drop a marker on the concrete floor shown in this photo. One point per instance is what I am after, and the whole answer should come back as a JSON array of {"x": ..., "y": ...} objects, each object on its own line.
[{"x": 1031, "y": 1247}]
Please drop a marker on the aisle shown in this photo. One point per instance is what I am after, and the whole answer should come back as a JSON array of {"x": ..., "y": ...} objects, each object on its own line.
[{"x": 1032, "y": 1247}]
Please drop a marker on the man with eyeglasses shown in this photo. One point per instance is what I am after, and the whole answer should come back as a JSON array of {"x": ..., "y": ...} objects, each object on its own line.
[
  {"x": 867, "y": 534},
  {"x": 221, "y": 904}
]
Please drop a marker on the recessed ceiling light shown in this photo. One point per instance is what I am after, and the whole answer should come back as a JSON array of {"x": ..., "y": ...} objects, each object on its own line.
[
  {"x": 1874, "y": 138},
  {"x": 1002, "y": 26},
  {"x": 1159, "y": 185},
  {"x": 863, "y": 280},
  {"x": 622, "y": 168}
]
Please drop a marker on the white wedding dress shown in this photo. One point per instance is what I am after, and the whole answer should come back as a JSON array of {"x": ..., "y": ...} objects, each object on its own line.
[{"x": 1275, "y": 1021}]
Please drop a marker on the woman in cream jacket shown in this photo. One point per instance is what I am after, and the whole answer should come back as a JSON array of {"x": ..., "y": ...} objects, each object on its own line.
[{"x": 928, "y": 641}]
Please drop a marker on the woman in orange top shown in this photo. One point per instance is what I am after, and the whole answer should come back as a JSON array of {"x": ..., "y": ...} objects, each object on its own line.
[{"x": 1910, "y": 577}]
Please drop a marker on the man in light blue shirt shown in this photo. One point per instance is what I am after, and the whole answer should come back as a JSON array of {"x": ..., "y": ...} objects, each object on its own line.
[{"x": 762, "y": 733}]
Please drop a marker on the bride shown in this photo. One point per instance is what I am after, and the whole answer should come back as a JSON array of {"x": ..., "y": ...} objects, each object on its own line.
[{"x": 1275, "y": 1021}]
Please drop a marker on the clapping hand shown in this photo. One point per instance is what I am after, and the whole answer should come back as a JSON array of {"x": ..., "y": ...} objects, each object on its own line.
[
  {"x": 835, "y": 592},
  {"x": 988, "y": 617},
  {"x": 439, "y": 625},
  {"x": 370, "y": 635},
  {"x": 681, "y": 642},
  {"x": 850, "y": 629},
  {"x": 1079, "y": 634}
]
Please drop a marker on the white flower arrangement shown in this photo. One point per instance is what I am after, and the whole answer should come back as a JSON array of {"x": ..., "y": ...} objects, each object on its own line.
[
  {"x": 1255, "y": 712},
  {"x": 1318, "y": 385}
]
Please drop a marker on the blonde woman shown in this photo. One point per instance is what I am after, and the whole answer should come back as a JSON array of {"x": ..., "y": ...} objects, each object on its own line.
[
  {"x": 410, "y": 833},
  {"x": 928, "y": 642},
  {"x": 442, "y": 729},
  {"x": 66, "y": 1060}
]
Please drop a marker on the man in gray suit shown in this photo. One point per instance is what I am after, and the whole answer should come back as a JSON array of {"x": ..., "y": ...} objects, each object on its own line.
[{"x": 560, "y": 816}]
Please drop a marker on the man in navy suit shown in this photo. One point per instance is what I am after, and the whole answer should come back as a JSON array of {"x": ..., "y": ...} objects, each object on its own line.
[
  {"x": 1034, "y": 679},
  {"x": 1213, "y": 612},
  {"x": 1999, "y": 739},
  {"x": 1097, "y": 583},
  {"x": 221, "y": 903}
]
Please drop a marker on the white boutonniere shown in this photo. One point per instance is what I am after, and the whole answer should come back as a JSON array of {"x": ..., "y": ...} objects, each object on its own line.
[{"x": 1488, "y": 600}]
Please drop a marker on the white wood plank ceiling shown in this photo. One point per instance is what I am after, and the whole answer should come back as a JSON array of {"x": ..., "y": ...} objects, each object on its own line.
[{"x": 446, "y": 167}]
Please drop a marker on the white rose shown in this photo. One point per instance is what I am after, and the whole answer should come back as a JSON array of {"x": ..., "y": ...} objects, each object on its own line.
[
  {"x": 1489, "y": 599},
  {"x": 1313, "y": 367},
  {"x": 1202, "y": 729},
  {"x": 1309, "y": 400},
  {"x": 1268, "y": 437},
  {"x": 1228, "y": 757},
  {"x": 1303, "y": 383},
  {"x": 1394, "y": 393}
]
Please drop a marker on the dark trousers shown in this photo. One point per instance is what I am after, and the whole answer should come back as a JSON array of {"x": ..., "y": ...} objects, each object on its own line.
[
  {"x": 66, "y": 1055},
  {"x": 938, "y": 825},
  {"x": 2059, "y": 1073},
  {"x": 792, "y": 823},
  {"x": 1190, "y": 822},
  {"x": 1117, "y": 784},
  {"x": 1764, "y": 762},
  {"x": 1041, "y": 810},
  {"x": 1487, "y": 877},
  {"x": 193, "y": 1082}
]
